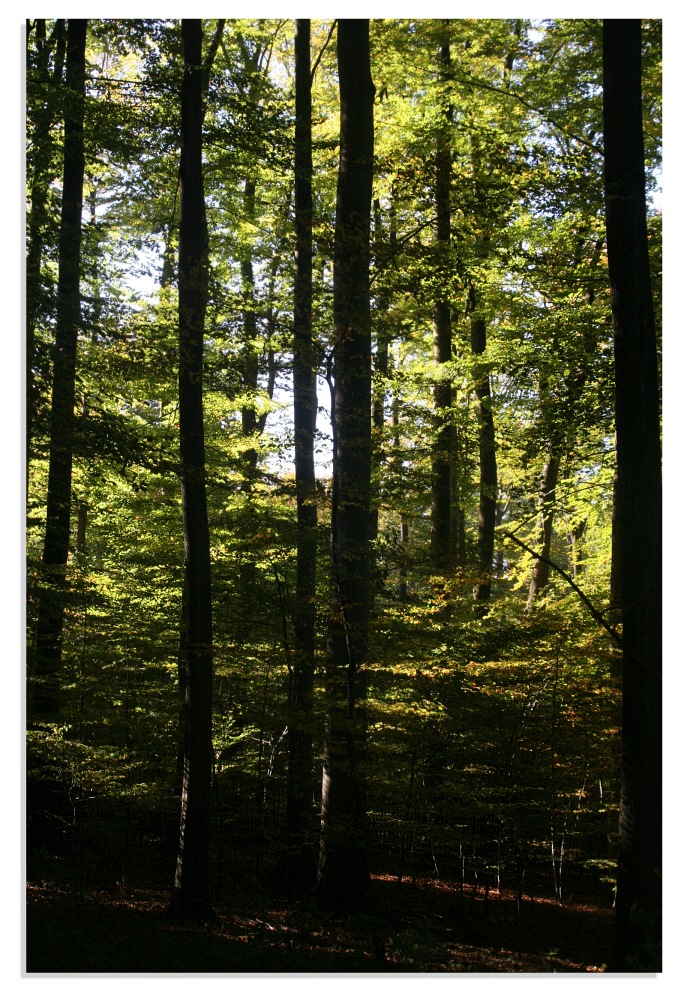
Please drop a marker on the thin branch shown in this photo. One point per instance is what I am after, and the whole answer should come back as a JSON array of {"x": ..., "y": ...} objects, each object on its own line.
[
  {"x": 582, "y": 595},
  {"x": 468, "y": 78},
  {"x": 322, "y": 50}
]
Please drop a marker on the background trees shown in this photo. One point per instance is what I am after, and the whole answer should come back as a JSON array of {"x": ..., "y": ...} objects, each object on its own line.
[{"x": 482, "y": 223}]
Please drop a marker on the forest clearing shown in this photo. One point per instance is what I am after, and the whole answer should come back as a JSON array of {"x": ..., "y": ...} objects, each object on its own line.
[{"x": 343, "y": 496}]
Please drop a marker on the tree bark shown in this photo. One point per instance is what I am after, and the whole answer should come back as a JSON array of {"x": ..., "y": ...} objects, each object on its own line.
[
  {"x": 343, "y": 875},
  {"x": 192, "y": 885},
  {"x": 488, "y": 466},
  {"x": 615, "y": 615},
  {"x": 441, "y": 499},
  {"x": 47, "y": 666},
  {"x": 300, "y": 757},
  {"x": 42, "y": 175},
  {"x": 639, "y": 875},
  {"x": 547, "y": 506}
]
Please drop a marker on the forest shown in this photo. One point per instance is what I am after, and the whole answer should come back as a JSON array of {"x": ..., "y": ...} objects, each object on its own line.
[{"x": 343, "y": 496}]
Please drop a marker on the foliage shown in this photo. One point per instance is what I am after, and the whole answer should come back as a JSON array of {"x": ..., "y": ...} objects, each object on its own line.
[{"x": 492, "y": 742}]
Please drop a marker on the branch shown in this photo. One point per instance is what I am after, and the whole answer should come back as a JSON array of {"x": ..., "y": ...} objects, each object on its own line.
[
  {"x": 583, "y": 597},
  {"x": 322, "y": 50},
  {"x": 474, "y": 81},
  {"x": 211, "y": 54}
]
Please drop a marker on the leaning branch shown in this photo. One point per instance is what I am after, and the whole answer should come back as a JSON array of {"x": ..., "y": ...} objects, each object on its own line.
[
  {"x": 322, "y": 50},
  {"x": 583, "y": 597}
]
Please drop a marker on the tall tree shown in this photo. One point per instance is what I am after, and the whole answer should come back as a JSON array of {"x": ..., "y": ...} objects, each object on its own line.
[
  {"x": 441, "y": 504},
  {"x": 300, "y": 760},
  {"x": 547, "y": 508},
  {"x": 41, "y": 113},
  {"x": 192, "y": 888},
  {"x": 343, "y": 870},
  {"x": 45, "y": 702},
  {"x": 488, "y": 458},
  {"x": 639, "y": 496}
]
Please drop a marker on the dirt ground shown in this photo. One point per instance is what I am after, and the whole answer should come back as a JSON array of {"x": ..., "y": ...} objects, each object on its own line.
[{"x": 422, "y": 926}]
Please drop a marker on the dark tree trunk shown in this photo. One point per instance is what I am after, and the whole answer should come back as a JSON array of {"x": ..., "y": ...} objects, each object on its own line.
[
  {"x": 398, "y": 472},
  {"x": 488, "y": 467},
  {"x": 441, "y": 499},
  {"x": 547, "y": 506},
  {"x": 300, "y": 759},
  {"x": 343, "y": 867},
  {"x": 249, "y": 382},
  {"x": 615, "y": 615},
  {"x": 382, "y": 337},
  {"x": 249, "y": 421},
  {"x": 41, "y": 177},
  {"x": 639, "y": 493},
  {"x": 47, "y": 666},
  {"x": 192, "y": 888},
  {"x": 574, "y": 537}
]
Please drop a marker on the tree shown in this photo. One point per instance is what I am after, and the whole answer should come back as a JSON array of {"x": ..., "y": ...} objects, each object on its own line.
[
  {"x": 300, "y": 758},
  {"x": 343, "y": 872},
  {"x": 192, "y": 887},
  {"x": 639, "y": 499},
  {"x": 45, "y": 702},
  {"x": 488, "y": 458},
  {"x": 547, "y": 509},
  {"x": 442, "y": 519},
  {"x": 42, "y": 110}
]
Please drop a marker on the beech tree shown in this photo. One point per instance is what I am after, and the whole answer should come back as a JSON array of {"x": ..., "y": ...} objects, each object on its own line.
[
  {"x": 639, "y": 500},
  {"x": 442, "y": 516},
  {"x": 192, "y": 886},
  {"x": 47, "y": 664},
  {"x": 45, "y": 79},
  {"x": 300, "y": 760},
  {"x": 343, "y": 873}
]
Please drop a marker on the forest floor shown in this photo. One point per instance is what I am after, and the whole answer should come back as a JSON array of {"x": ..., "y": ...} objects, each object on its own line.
[{"x": 421, "y": 926}]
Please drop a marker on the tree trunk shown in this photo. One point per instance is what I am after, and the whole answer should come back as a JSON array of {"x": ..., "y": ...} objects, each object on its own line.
[
  {"x": 249, "y": 379},
  {"x": 382, "y": 337},
  {"x": 42, "y": 176},
  {"x": 639, "y": 876},
  {"x": 488, "y": 467},
  {"x": 615, "y": 615},
  {"x": 343, "y": 874},
  {"x": 192, "y": 887},
  {"x": 398, "y": 472},
  {"x": 47, "y": 667},
  {"x": 300, "y": 758},
  {"x": 441, "y": 501},
  {"x": 547, "y": 507}
]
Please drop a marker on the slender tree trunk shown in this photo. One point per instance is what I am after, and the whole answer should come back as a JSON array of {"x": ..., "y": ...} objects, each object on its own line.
[
  {"x": 382, "y": 338},
  {"x": 343, "y": 867},
  {"x": 38, "y": 219},
  {"x": 398, "y": 472},
  {"x": 547, "y": 506},
  {"x": 47, "y": 666},
  {"x": 250, "y": 355},
  {"x": 615, "y": 615},
  {"x": 192, "y": 884},
  {"x": 488, "y": 466},
  {"x": 300, "y": 759},
  {"x": 575, "y": 536},
  {"x": 441, "y": 499},
  {"x": 639, "y": 875}
]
